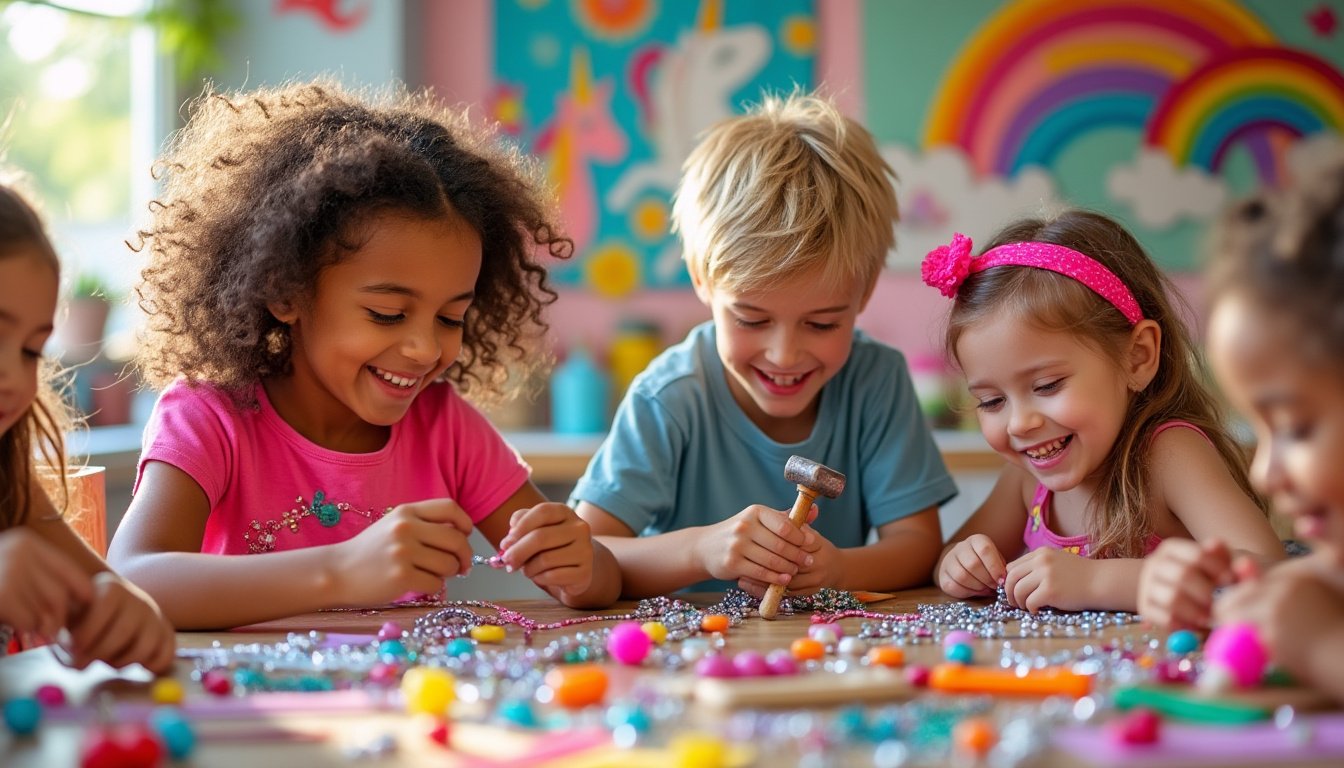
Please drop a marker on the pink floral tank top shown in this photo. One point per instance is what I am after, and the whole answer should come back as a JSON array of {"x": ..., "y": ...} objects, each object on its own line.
[{"x": 1037, "y": 533}]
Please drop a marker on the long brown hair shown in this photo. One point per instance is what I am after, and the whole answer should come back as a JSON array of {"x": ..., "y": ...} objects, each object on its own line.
[
  {"x": 38, "y": 437},
  {"x": 1119, "y": 519}
]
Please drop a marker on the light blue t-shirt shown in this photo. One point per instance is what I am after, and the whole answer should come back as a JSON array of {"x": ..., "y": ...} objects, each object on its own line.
[{"x": 682, "y": 453}]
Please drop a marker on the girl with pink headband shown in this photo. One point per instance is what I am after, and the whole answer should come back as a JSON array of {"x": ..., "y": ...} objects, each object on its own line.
[{"x": 1085, "y": 380}]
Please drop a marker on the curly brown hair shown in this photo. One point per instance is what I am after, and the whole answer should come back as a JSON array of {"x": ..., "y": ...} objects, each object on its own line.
[
  {"x": 1283, "y": 249},
  {"x": 264, "y": 189},
  {"x": 1119, "y": 520},
  {"x": 37, "y": 439}
]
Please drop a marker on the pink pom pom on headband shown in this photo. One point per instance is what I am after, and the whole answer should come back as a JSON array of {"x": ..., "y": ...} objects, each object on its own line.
[{"x": 947, "y": 266}]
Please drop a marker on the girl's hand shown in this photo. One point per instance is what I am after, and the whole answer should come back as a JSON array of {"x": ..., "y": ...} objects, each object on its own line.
[
  {"x": 1178, "y": 579},
  {"x": 552, "y": 546},
  {"x": 972, "y": 567},
  {"x": 39, "y": 586},
  {"x": 1047, "y": 578},
  {"x": 121, "y": 626},
  {"x": 413, "y": 548},
  {"x": 758, "y": 544},
  {"x": 1292, "y": 609}
]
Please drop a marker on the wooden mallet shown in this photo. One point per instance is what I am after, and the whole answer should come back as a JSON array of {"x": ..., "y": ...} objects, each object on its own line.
[{"x": 812, "y": 479}]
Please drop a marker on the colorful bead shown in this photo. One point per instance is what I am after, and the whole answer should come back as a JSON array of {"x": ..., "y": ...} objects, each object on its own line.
[
  {"x": 427, "y": 690},
  {"x": 656, "y": 630},
  {"x": 715, "y": 665},
  {"x": 1182, "y": 641},
  {"x": 974, "y": 736},
  {"x": 578, "y": 685},
  {"x": 50, "y": 696},
  {"x": 631, "y": 715},
  {"x": 807, "y": 649},
  {"x": 750, "y": 664},
  {"x": 518, "y": 712},
  {"x": 392, "y": 649},
  {"x": 714, "y": 622},
  {"x": 823, "y": 633},
  {"x": 886, "y": 656},
  {"x": 439, "y": 731},
  {"x": 382, "y": 673},
  {"x": 217, "y": 681},
  {"x": 698, "y": 750},
  {"x": 917, "y": 675},
  {"x": 22, "y": 715},
  {"x": 389, "y": 631},
  {"x": 488, "y": 633},
  {"x": 628, "y": 643},
  {"x": 174, "y": 731},
  {"x": 1237, "y": 648},
  {"x": 167, "y": 690},
  {"x": 957, "y": 637},
  {"x": 1138, "y": 726},
  {"x": 781, "y": 663},
  {"x": 851, "y": 646},
  {"x": 959, "y": 654},
  {"x": 459, "y": 647}
]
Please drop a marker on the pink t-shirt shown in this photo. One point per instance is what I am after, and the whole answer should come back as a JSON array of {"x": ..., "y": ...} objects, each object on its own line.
[
  {"x": 271, "y": 489},
  {"x": 1038, "y": 534}
]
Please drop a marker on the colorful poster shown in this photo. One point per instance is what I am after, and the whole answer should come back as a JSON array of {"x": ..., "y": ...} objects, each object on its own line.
[
  {"x": 611, "y": 95},
  {"x": 1156, "y": 112}
]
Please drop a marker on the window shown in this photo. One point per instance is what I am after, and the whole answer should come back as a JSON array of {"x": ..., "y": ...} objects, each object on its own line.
[{"x": 79, "y": 87}]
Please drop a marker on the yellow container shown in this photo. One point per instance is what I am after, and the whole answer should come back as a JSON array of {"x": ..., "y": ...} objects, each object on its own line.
[{"x": 636, "y": 344}]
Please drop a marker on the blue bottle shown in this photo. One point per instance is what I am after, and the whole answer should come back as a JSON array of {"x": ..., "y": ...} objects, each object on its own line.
[{"x": 580, "y": 392}]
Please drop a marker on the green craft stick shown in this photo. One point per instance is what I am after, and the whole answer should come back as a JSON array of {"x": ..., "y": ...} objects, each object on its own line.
[{"x": 1196, "y": 709}]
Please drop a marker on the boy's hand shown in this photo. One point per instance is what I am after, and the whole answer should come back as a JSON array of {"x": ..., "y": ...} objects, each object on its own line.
[
  {"x": 121, "y": 626},
  {"x": 757, "y": 544},
  {"x": 1047, "y": 578},
  {"x": 413, "y": 548},
  {"x": 972, "y": 567},
  {"x": 1291, "y": 609},
  {"x": 1178, "y": 579},
  {"x": 39, "y": 586},
  {"x": 552, "y": 546},
  {"x": 824, "y": 571}
]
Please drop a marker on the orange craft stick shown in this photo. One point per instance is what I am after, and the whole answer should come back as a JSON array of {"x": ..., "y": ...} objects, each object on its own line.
[{"x": 1051, "y": 681}]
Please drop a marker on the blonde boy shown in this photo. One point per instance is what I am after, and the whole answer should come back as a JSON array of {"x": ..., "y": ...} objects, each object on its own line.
[{"x": 786, "y": 217}]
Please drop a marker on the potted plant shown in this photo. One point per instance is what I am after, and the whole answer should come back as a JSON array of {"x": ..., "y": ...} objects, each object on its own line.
[{"x": 79, "y": 335}]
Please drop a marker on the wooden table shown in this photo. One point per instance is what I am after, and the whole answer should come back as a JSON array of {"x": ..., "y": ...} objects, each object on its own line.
[{"x": 57, "y": 744}]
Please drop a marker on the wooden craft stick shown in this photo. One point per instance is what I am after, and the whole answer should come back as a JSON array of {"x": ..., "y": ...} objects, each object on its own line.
[
  {"x": 804, "y": 690},
  {"x": 1051, "y": 681}
]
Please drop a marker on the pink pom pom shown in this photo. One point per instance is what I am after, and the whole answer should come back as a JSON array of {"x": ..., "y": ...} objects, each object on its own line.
[
  {"x": 1237, "y": 648},
  {"x": 628, "y": 643}
]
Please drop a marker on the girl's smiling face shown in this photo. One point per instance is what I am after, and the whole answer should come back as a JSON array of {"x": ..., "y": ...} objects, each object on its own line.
[
  {"x": 383, "y": 323},
  {"x": 1296, "y": 406}
]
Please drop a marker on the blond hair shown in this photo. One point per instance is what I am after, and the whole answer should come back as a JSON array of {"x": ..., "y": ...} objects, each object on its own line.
[{"x": 787, "y": 189}]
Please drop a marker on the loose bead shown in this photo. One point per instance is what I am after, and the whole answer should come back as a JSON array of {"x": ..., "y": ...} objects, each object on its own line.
[
  {"x": 518, "y": 712},
  {"x": 174, "y": 731},
  {"x": 959, "y": 654},
  {"x": 698, "y": 750},
  {"x": 578, "y": 685},
  {"x": 22, "y": 715},
  {"x": 628, "y": 643},
  {"x": 427, "y": 690},
  {"x": 389, "y": 631},
  {"x": 166, "y": 690},
  {"x": 656, "y": 630},
  {"x": 714, "y": 622},
  {"x": 957, "y": 637},
  {"x": 886, "y": 656},
  {"x": 781, "y": 663},
  {"x": 50, "y": 696},
  {"x": 851, "y": 646},
  {"x": 750, "y": 664},
  {"x": 1141, "y": 726},
  {"x": 715, "y": 665},
  {"x": 459, "y": 646},
  {"x": 217, "y": 681},
  {"x": 974, "y": 736},
  {"x": 1182, "y": 641},
  {"x": 807, "y": 649},
  {"x": 822, "y": 633},
  {"x": 1237, "y": 648},
  {"x": 917, "y": 675},
  {"x": 488, "y": 633}
]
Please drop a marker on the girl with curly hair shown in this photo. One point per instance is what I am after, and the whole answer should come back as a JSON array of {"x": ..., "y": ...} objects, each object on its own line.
[
  {"x": 50, "y": 580},
  {"x": 1086, "y": 382},
  {"x": 328, "y": 275}
]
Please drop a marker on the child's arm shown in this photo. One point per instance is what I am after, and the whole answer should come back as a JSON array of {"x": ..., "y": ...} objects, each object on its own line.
[
  {"x": 413, "y": 548},
  {"x": 114, "y": 621},
  {"x": 757, "y": 543},
  {"x": 972, "y": 562},
  {"x": 903, "y": 556},
  {"x": 554, "y": 548},
  {"x": 1178, "y": 579},
  {"x": 1299, "y": 613}
]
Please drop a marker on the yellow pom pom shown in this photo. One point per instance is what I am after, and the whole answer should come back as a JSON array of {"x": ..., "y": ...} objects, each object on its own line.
[
  {"x": 698, "y": 750},
  {"x": 166, "y": 690}
]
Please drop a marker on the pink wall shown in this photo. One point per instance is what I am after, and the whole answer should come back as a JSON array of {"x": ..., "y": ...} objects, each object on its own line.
[{"x": 903, "y": 312}]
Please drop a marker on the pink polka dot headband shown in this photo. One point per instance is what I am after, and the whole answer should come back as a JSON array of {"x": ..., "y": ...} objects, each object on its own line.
[{"x": 947, "y": 266}]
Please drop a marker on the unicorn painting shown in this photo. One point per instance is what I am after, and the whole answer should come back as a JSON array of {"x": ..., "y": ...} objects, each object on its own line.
[
  {"x": 684, "y": 89},
  {"x": 581, "y": 131}
]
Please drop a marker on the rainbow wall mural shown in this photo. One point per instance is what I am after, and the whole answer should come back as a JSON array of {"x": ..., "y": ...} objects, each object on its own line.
[{"x": 1214, "y": 97}]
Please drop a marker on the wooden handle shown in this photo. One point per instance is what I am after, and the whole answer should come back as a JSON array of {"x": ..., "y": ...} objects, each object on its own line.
[
  {"x": 816, "y": 690},
  {"x": 802, "y": 506}
]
